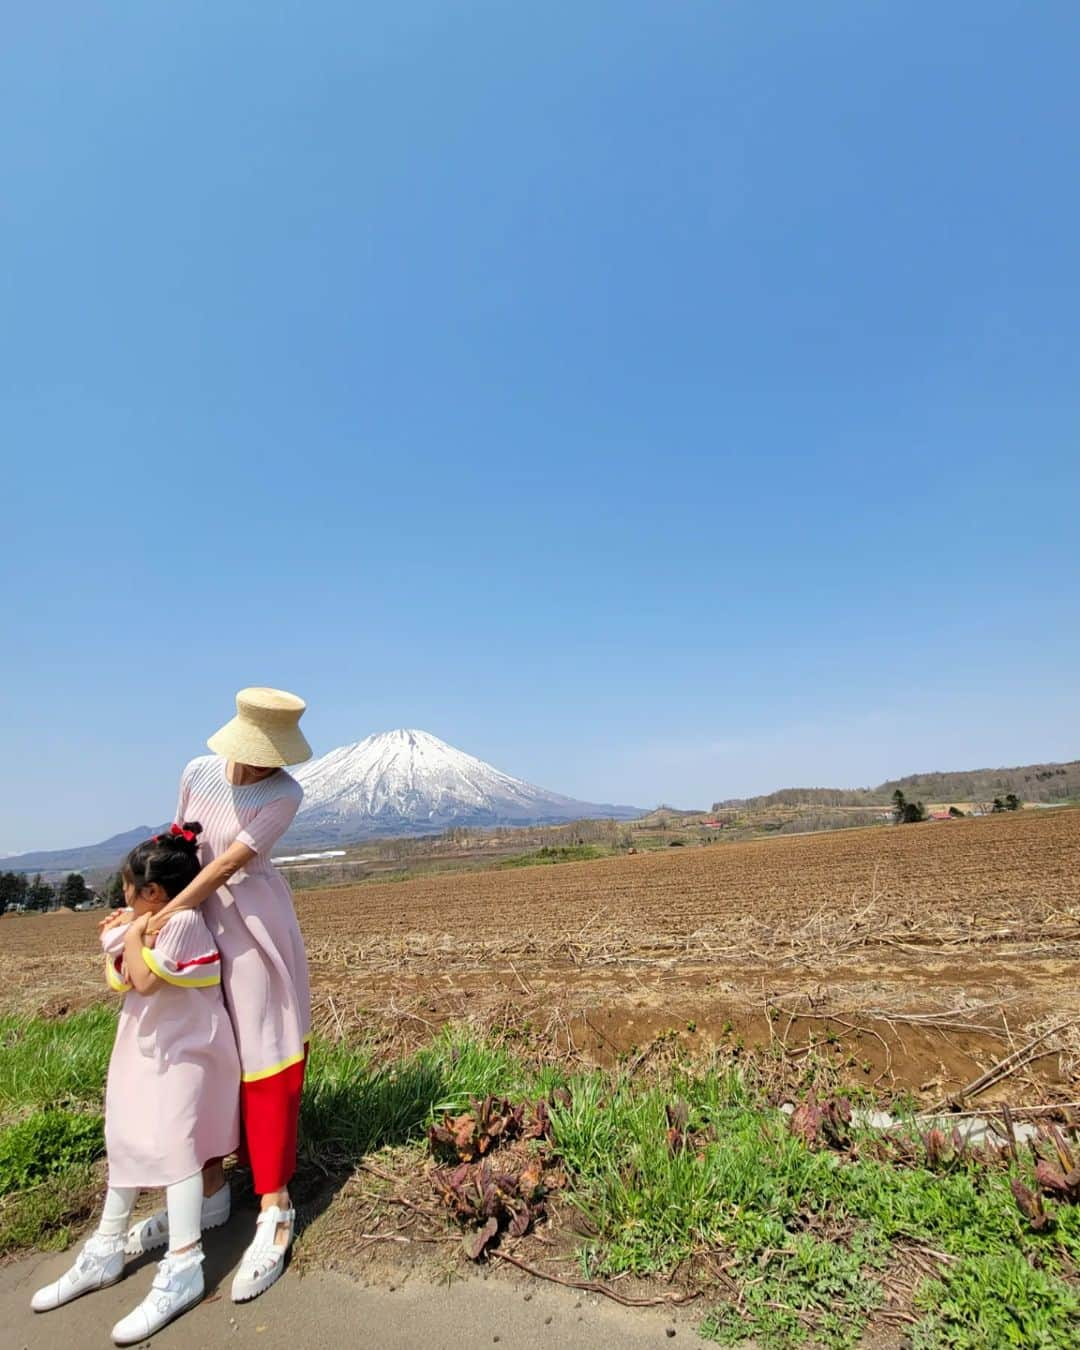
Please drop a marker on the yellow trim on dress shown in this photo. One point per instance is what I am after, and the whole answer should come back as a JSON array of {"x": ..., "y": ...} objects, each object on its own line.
[
  {"x": 182, "y": 981},
  {"x": 113, "y": 980},
  {"x": 276, "y": 1068}
]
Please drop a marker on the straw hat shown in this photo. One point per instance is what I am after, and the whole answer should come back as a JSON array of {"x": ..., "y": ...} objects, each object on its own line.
[{"x": 265, "y": 731}]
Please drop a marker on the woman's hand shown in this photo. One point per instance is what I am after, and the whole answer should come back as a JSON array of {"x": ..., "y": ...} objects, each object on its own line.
[
  {"x": 152, "y": 924},
  {"x": 118, "y": 916},
  {"x": 139, "y": 926}
]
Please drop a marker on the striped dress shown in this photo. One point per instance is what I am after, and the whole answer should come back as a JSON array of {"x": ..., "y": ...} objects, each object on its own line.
[
  {"x": 172, "y": 1100},
  {"x": 264, "y": 972}
]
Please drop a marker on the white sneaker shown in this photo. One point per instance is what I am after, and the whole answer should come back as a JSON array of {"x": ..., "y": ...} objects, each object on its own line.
[
  {"x": 264, "y": 1260},
  {"x": 99, "y": 1264},
  {"x": 178, "y": 1285},
  {"x": 153, "y": 1232}
]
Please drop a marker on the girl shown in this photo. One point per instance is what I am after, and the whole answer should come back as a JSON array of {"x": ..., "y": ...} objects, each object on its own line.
[{"x": 173, "y": 1093}]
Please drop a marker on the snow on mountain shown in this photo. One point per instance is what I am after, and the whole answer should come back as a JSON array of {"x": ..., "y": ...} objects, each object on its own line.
[{"x": 407, "y": 781}]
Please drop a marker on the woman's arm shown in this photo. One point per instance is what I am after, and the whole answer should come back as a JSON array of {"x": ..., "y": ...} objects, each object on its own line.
[{"x": 212, "y": 877}]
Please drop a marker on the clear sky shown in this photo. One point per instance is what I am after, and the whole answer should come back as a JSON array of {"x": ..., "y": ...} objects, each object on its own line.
[{"x": 661, "y": 401}]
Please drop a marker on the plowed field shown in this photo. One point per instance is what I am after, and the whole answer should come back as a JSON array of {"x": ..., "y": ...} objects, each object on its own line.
[{"x": 927, "y": 951}]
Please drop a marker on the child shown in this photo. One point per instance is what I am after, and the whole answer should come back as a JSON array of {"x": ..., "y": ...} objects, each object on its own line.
[{"x": 172, "y": 1102}]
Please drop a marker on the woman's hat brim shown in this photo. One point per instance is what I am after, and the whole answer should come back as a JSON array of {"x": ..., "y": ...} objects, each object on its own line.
[{"x": 262, "y": 747}]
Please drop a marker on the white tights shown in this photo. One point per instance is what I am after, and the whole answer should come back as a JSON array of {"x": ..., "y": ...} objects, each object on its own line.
[{"x": 183, "y": 1200}]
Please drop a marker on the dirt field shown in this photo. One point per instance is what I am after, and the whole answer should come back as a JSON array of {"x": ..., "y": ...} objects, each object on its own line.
[{"x": 925, "y": 953}]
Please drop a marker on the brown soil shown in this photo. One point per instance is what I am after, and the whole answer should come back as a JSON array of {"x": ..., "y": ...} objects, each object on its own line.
[{"x": 918, "y": 955}]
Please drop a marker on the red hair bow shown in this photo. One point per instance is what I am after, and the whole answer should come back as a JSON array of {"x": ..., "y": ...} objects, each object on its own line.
[{"x": 181, "y": 833}]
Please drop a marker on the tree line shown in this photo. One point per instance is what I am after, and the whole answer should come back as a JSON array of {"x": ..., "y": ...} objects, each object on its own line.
[{"x": 21, "y": 892}]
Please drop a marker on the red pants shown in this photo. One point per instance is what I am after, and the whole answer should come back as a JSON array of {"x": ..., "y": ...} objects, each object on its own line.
[{"x": 269, "y": 1112}]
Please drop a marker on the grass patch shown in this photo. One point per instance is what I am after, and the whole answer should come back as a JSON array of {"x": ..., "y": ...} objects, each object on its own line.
[
  {"x": 803, "y": 1235},
  {"x": 998, "y": 1300},
  {"x": 354, "y": 1104},
  {"x": 45, "y": 1144},
  {"x": 55, "y": 1061},
  {"x": 547, "y": 857},
  {"x": 48, "y": 1215}
]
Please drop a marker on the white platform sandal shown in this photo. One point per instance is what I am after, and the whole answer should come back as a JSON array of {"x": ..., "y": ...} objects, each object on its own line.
[
  {"x": 264, "y": 1259},
  {"x": 148, "y": 1234}
]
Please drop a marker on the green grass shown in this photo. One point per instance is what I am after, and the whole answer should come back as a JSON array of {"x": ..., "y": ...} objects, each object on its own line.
[
  {"x": 548, "y": 857},
  {"x": 46, "y": 1144},
  {"x": 54, "y": 1061},
  {"x": 998, "y": 1300},
  {"x": 52, "y": 1079},
  {"x": 47, "y": 1216},
  {"x": 354, "y": 1105},
  {"x": 806, "y": 1235}
]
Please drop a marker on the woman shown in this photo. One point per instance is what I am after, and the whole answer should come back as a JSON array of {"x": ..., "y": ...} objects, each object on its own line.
[{"x": 245, "y": 802}]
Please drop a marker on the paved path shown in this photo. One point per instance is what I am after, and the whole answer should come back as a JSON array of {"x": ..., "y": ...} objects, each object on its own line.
[{"x": 327, "y": 1311}]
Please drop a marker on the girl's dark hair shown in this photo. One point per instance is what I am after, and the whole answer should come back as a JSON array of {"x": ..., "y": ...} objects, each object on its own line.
[{"x": 172, "y": 860}]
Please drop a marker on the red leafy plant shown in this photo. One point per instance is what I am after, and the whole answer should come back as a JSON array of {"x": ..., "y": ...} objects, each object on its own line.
[
  {"x": 489, "y": 1202},
  {"x": 933, "y": 1149},
  {"x": 681, "y": 1136},
  {"x": 1031, "y": 1205},
  {"x": 827, "y": 1123},
  {"x": 475, "y": 1133},
  {"x": 486, "y": 1200},
  {"x": 1057, "y": 1177},
  {"x": 1056, "y": 1170},
  {"x": 491, "y": 1122}
]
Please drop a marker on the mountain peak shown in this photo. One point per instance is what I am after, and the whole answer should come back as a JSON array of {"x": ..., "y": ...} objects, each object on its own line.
[{"x": 408, "y": 781}]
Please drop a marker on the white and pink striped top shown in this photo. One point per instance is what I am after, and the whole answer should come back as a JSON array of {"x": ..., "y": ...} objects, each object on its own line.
[
  {"x": 257, "y": 814},
  {"x": 264, "y": 971}
]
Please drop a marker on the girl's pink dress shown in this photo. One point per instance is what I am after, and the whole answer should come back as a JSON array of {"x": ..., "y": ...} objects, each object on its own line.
[{"x": 172, "y": 1101}]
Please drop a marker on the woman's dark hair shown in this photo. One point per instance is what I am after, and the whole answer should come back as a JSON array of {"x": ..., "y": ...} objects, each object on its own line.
[{"x": 172, "y": 860}]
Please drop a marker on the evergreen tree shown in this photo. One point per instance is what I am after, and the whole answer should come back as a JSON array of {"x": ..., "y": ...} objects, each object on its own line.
[
  {"x": 13, "y": 890},
  {"x": 73, "y": 890},
  {"x": 905, "y": 812},
  {"x": 1012, "y": 802},
  {"x": 113, "y": 891},
  {"x": 40, "y": 894}
]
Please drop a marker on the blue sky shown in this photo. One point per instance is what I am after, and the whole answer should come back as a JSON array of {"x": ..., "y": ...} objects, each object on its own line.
[{"x": 664, "y": 402}]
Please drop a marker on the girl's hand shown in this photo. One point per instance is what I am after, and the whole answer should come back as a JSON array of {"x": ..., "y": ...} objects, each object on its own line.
[{"x": 118, "y": 916}]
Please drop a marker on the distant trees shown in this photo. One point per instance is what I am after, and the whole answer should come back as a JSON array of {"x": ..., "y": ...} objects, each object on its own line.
[
  {"x": 1011, "y": 802},
  {"x": 73, "y": 891},
  {"x": 112, "y": 893},
  {"x": 905, "y": 812},
  {"x": 18, "y": 891},
  {"x": 956, "y": 813},
  {"x": 40, "y": 895},
  {"x": 14, "y": 887}
]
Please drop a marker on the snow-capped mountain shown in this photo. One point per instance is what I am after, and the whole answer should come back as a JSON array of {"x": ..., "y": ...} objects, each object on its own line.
[
  {"x": 410, "y": 782},
  {"x": 398, "y": 782}
]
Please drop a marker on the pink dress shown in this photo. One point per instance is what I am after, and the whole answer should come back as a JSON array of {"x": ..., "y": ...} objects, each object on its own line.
[
  {"x": 263, "y": 964},
  {"x": 172, "y": 1100}
]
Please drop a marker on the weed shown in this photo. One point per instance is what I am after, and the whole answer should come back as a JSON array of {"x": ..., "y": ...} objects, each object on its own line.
[
  {"x": 45, "y": 1215},
  {"x": 46, "y": 1144},
  {"x": 998, "y": 1300},
  {"x": 55, "y": 1061}
]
